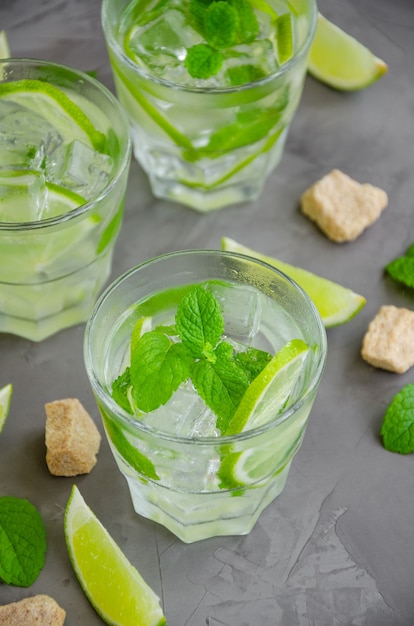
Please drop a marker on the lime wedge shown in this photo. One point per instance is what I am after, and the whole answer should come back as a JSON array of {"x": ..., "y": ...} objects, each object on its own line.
[
  {"x": 4, "y": 45},
  {"x": 341, "y": 61},
  {"x": 266, "y": 396},
  {"x": 56, "y": 107},
  {"x": 113, "y": 586},
  {"x": 5, "y": 396},
  {"x": 270, "y": 390},
  {"x": 336, "y": 304}
]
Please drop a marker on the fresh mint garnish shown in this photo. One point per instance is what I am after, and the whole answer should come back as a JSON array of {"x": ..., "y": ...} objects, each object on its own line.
[
  {"x": 158, "y": 367},
  {"x": 221, "y": 383},
  {"x": 223, "y": 24},
  {"x": 203, "y": 61},
  {"x": 401, "y": 269},
  {"x": 397, "y": 429},
  {"x": 199, "y": 321},
  {"x": 22, "y": 541},
  {"x": 193, "y": 349}
]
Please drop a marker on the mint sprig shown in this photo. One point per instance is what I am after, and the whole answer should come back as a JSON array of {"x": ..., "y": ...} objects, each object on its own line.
[
  {"x": 397, "y": 429},
  {"x": 223, "y": 24},
  {"x": 193, "y": 349},
  {"x": 22, "y": 541},
  {"x": 401, "y": 269}
]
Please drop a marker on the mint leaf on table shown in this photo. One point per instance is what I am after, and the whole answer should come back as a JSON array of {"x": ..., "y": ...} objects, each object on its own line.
[
  {"x": 158, "y": 367},
  {"x": 22, "y": 541},
  {"x": 221, "y": 384},
  {"x": 401, "y": 269},
  {"x": 203, "y": 61},
  {"x": 397, "y": 429},
  {"x": 199, "y": 321}
]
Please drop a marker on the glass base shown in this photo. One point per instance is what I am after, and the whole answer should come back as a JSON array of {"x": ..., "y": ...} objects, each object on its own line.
[
  {"x": 196, "y": 516},
  {"x": 37, "y": 311}
]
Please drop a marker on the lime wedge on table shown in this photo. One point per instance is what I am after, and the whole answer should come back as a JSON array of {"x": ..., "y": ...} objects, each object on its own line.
[
  {"x": 341, "y": 61},
  {"x": 266, "y": 396},
  {"x": 113, "y": 586},
  {"x": 5, "y": 396},
  {"x": 4, "y": 45},
  {"x": 56, "y": 107},
  {"x": 336, "y": 304}
]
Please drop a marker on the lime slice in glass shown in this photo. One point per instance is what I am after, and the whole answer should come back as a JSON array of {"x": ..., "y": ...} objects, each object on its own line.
[
  {"x": 266, "y": 396},
  {"x": 341, "y": 61},
  {"x": 336, "y": 304},
  {"x": 5, "y": 396},
  {"x": 54, "y": 105},
  {"x": 270, "y": 390},
  {"x": 284, "y": 37},
  {"x": 111, "y": 583}
]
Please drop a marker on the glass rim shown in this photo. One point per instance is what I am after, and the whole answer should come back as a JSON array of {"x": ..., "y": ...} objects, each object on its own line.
[
  {"x": 302, "y": 51},
  {"x": 129, "y": 420},
  {"x": 123, "y": 161}
]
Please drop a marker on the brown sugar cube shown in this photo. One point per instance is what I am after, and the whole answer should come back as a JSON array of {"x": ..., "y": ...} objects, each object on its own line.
[
  {"x": 40, "y": 610},
  {"x": 72, "y": 439},
  {"x": 389, "y": 341},
  {"x": 343, "y": 207}
]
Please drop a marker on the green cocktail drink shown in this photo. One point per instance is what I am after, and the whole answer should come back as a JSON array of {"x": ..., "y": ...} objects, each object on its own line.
[
  {"x": 204, "y": 365},
  {"x": 64, "y": 159},
  {"x": 210, "y": 89}
]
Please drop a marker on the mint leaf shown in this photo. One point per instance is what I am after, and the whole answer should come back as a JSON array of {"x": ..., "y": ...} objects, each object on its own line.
[
  {"x": 22, "y": 541},
  {"x": 202, "y": 61},
  {"x": 158, "y": 367},
  {"x": 221, "y": 384},
  {"x": 243, "y": 74},
  {"x": 199, "y": 321},
  {"x": 138, "y": 461},
  {"x": 402, "y": 270},
  {"x": 220, "y": 24},
  {"x": 120, "y": 388},
  {"x": 252, "y": 361},
  {"x": 247, "y": 26},
  {"x": 397, "y": 429}
]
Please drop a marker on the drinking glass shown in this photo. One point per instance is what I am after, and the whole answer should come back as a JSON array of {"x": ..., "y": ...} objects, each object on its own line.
[
  {"x": 180, "y": 470},
  {"x": 206, "y": 146},
  {"x": 65, "y": 151}
]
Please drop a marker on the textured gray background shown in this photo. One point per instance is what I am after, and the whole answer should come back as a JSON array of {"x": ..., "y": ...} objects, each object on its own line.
[{"x": 337, "y": 547}]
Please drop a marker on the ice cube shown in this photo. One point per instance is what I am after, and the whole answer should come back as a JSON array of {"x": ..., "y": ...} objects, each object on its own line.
[
  {"x": 249, "y": 62},
  {"x": 242, "y": 309},
  {"x": 23, "y": 196},
  {"x": 80, "y": 168},
  {"x": 163, "y": 43},
  {"x": 25, "y": 137}
]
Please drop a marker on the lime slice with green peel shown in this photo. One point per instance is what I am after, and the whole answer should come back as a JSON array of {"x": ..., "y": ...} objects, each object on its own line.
[
  {"x": 341, "y": 61},
  {"x": 113, "y": 586},
  {"x": 141, "y": 326},
  {"x": 56, "y": 107},
  {"x": 336, "y": 304},
  {"x": 4, "y": 45},
  {"x": 5, "y": 396},
  {"x": 269, "y": 392},
  {"x": 284, "y": 37}
]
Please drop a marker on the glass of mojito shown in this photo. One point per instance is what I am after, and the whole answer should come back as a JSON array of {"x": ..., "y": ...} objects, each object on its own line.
[
  {"x": 205, "y": 365},
  {"x": 210, "y": 88},
  {"x": 64, "y": 157}
]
